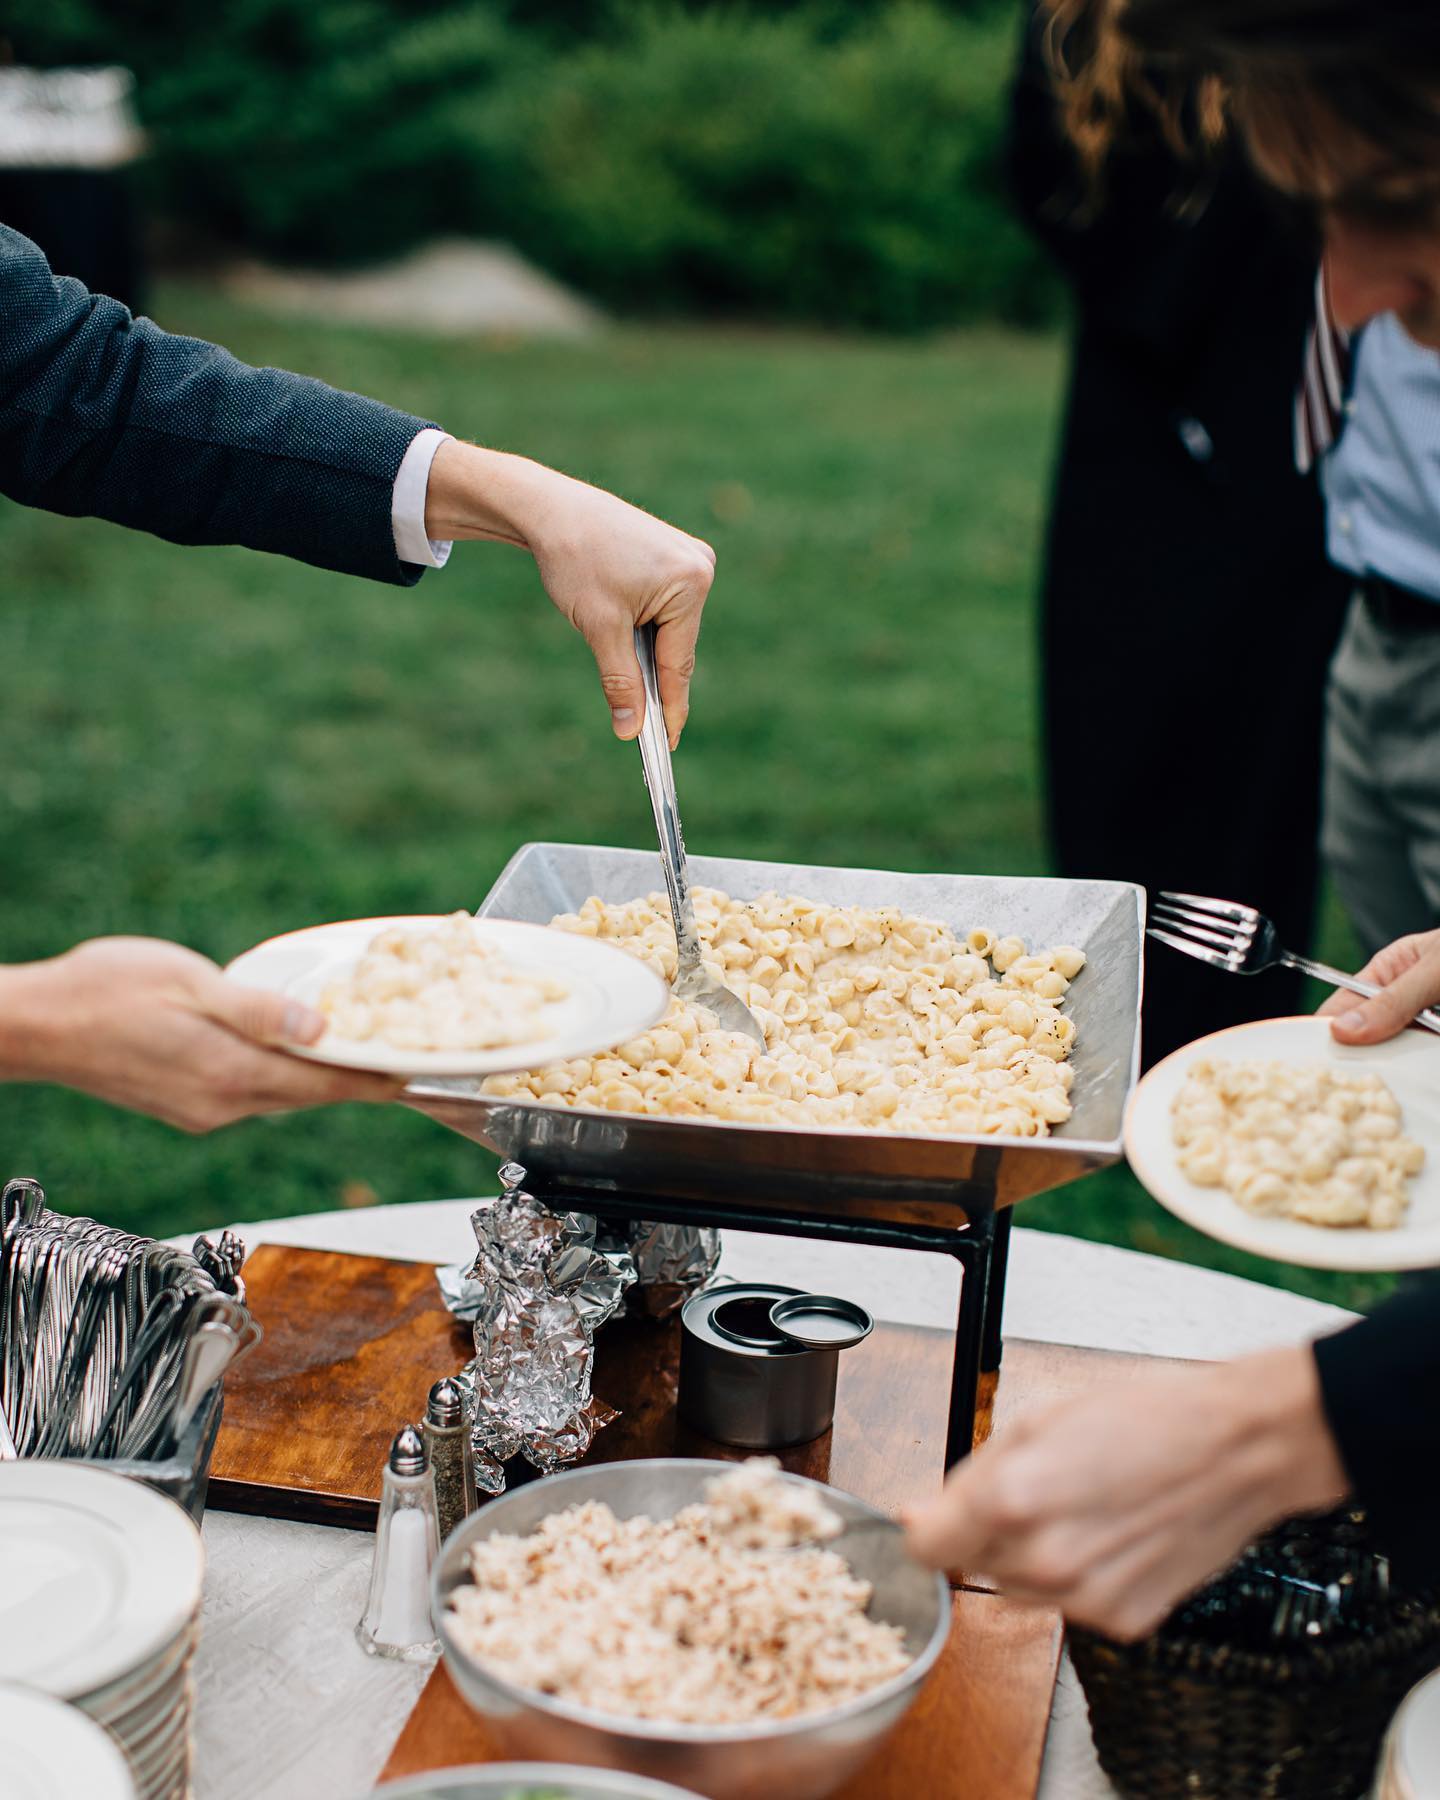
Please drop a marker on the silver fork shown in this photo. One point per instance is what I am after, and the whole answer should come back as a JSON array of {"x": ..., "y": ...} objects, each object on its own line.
[{"x": 1243, "y": 942}]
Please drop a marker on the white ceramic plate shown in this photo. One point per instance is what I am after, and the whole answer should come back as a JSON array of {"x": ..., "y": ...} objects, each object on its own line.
[
  {"x": 1411, "y": 1066},
  {"x": 97, "y": 1575},
  {"x": 116, "y": 1702},
  {"x": 613, "y": 996},
  {"x": 49, "y": 1751},
  {"x": 1414, "y": 1763}
]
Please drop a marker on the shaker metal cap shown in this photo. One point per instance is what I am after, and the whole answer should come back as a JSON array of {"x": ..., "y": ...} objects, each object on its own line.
[
  {"x": 447, "y": 1404},
  {"x": 408, "y": 1455},
  {"x": 821, "y": 1321}
]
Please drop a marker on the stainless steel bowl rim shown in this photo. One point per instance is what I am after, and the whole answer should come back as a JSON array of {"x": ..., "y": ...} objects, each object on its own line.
[
  {"x": 676, "y": 1731},
  {"x": 611, "y": 1781}
]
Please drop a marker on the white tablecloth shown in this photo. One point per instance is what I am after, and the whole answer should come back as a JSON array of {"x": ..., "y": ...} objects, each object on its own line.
[{"x": 289, "y": 1707}]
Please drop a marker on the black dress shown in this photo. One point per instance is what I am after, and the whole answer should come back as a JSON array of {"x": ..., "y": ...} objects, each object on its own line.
[
  {"x": 1189, "y": 612},
  {"x": 1189, "y": 615}
]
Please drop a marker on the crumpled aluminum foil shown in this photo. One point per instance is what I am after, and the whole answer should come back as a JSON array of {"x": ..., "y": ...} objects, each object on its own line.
[
  {"x": 671, "y": 1262},
  {"x": 540, "y": 1287},
  {"x": 517, "y": 1229}
]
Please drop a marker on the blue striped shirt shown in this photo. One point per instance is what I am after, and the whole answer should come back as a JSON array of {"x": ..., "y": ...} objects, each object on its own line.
[{"x": 1382, "y": 480}]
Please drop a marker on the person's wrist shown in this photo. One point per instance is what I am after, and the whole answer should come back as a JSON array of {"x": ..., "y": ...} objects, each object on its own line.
[
  {"x": 479, "y": 493},
  {"x": 32, "y": 1021},
  {"x": 1282, "y": 1440}
]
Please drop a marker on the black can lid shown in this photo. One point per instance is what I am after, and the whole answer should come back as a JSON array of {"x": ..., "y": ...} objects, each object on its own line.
[{"x": 821, "y": 1321}]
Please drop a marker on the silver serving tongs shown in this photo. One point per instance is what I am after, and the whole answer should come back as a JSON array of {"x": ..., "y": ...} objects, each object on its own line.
[{"x": 692, "y": 983}]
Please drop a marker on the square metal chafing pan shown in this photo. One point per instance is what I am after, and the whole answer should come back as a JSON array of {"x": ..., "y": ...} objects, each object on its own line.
[{"x": 933, "y": 1181}]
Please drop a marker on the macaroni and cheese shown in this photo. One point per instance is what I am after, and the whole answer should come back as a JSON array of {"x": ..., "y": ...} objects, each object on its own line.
[
  {"x": 1298, "y": 1141},
  {"x": 439, "y": 987},
  {"x": 871, "y": 1017}
]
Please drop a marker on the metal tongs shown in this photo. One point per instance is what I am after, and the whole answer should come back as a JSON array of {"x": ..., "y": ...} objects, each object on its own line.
[{"x": 693, "y": 982}]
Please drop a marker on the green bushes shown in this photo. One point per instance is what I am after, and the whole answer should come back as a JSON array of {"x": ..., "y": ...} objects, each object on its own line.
[
  {"x": 754, "y": 165},
  {"x": 312, "y": 129},
  {"x": 786, "y": 164}
]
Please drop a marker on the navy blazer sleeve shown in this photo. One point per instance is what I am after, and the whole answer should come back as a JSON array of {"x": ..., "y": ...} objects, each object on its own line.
[
  {"x": 105, "y": 415},
  {"x": 1380, "y": 1383}
]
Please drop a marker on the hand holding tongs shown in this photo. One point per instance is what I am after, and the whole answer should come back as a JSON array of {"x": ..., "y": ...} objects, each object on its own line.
[
  {"x": 1243, "y": 942},
  {"x": 692, "y": 982}
]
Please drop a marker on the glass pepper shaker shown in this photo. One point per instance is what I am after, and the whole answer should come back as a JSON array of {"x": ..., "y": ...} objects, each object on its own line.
[
  {"x": 397, "y": 1615},
  {"x": 446, "y": 1431}
]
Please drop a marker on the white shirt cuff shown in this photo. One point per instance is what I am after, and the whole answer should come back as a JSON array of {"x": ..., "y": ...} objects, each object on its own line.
[{"x": 407, "y": 503}]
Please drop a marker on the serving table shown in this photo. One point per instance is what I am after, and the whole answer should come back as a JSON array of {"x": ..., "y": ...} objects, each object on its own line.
[{"x": 287, "y": 1704}]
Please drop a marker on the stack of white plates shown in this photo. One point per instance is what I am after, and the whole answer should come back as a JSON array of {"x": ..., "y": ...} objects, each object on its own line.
[
  {"x": 1410, "y": 1765},
  {"x": 100, "y": 1605},
  {"x": 50, "y": 1751}
]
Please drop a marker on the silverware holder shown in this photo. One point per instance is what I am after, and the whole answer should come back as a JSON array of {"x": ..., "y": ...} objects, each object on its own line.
[{"x": 101, "y": 1341}]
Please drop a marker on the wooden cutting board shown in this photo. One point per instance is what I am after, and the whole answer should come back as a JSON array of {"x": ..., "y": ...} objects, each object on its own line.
[
  {"x": 353, "y": 1343},
  {"x": 351, "y": 1347},
  {"x": 977, "y": 1729}
]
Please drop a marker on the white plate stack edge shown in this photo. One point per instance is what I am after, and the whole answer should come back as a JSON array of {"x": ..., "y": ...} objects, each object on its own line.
[
  {"x": 1410, "y": 1764},
  {"x": 51, "y": 1751},
  {"x": 100, "y": 1581}
]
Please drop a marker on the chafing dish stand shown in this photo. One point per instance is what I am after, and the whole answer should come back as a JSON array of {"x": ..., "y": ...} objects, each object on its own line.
[{"x": 981, "y": 1248}]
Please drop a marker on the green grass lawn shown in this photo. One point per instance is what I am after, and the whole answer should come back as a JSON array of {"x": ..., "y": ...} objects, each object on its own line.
[{"x": 213, "y": 746}]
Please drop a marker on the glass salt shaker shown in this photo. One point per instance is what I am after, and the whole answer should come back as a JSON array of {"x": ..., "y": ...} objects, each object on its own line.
[
  {"x": 446, "y": 1431},
  {"x": 397, "y": 1615}
]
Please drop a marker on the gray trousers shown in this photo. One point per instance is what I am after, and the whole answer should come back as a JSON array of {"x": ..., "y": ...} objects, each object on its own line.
[{"x": 1380, "y": 830}]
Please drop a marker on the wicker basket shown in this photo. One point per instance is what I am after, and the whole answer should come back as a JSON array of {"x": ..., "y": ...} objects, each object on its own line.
[{"x": 1212, "y": 1708}]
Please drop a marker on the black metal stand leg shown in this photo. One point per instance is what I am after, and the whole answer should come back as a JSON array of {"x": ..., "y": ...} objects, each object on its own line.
[
  {"x": 992, "y": 1344},
  {"x": 981, "y": 1249},
  {"x": 971, "y": 1253}
]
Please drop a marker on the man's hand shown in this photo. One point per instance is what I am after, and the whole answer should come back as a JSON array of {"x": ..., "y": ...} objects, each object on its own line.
[
  {"x": 154, "y": 1027},
  {"x": 1116, "y": 1504},
  {"x": 1408, "y": 972},
  {"x": 607, "y": 566}
]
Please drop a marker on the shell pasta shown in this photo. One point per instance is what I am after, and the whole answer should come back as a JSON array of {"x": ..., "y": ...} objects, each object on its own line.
[
  {"x": 440, "y": 987},
  {"x": 1302, "y": 1142},
  {"x": 872, "y": 1018}
]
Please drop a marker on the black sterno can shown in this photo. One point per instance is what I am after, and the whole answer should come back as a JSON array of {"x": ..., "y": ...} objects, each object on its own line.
[{"x": 759, "y": 1363}]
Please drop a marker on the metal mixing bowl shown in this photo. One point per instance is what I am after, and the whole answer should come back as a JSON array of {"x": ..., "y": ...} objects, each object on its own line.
[
  {"x": 802, "y": 1759},
  {"x": 516, "y": 1781}
]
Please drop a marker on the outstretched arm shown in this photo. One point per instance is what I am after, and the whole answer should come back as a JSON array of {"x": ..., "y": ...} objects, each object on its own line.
[
  {"x": 151, "y": 1026},
  {"x": 1114, "y": 1506},
  {"x": 105, "y": 415}
]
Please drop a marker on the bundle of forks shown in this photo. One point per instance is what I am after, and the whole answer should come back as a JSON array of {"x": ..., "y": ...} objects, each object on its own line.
[{"x": 109, "y": 1344}]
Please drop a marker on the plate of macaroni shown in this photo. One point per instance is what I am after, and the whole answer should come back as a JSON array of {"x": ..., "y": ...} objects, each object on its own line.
[
  {"x": 1277, "y": 1139},
  {"x": 455, "y": 996},
  {"x": 874, "y": 1019}
]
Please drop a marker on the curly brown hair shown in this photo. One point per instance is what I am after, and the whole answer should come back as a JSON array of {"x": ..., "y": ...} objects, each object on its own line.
[
  {"x": 1100, "y": 74},
  {"x": 1311, "y": 77}
]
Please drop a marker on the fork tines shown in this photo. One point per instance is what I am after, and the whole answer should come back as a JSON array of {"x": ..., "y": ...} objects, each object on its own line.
[
  {"x": 1217, "y": 931},
  {"x": 1219, "y": 909}
]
